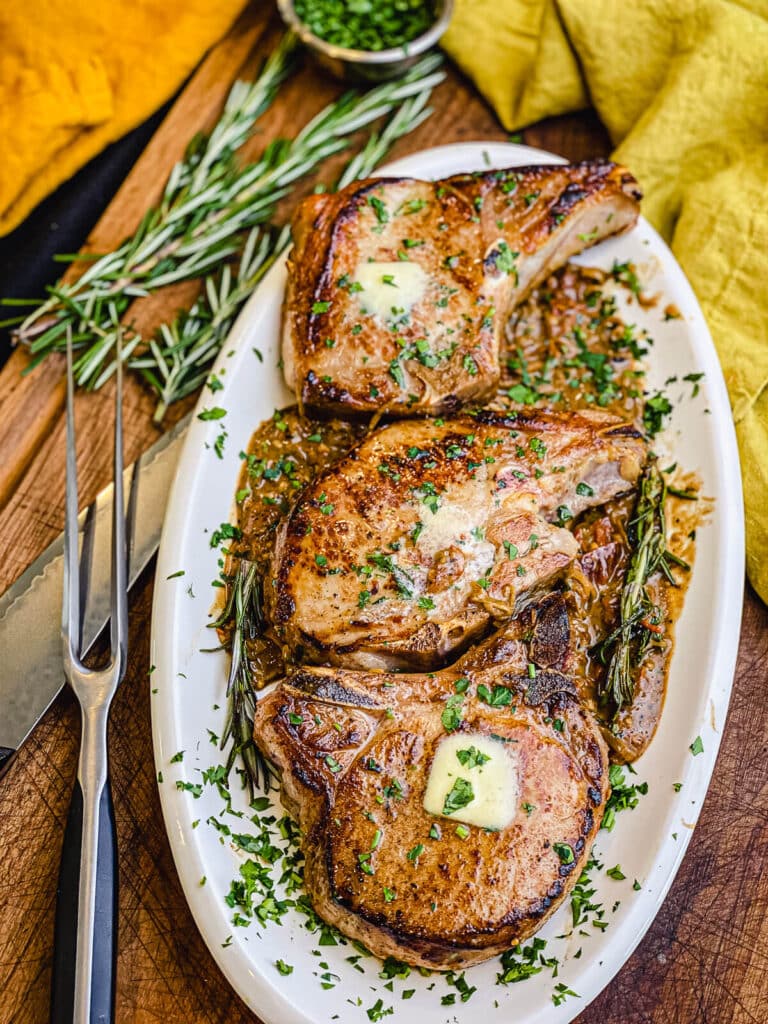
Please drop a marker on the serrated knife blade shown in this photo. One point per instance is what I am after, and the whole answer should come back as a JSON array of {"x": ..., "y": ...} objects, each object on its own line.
[{"x": 31, "y": 671}]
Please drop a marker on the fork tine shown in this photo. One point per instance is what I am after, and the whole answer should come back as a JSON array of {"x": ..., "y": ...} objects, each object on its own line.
[
  {"x": 70, "y": 608},
  {"x": 119, "y": 602}
]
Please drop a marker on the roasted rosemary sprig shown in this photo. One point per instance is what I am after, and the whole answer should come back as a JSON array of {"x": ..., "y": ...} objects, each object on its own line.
[
  {"x": 624, "y": 649},
  {"x": 176, "y": 361},
  {"x": 209, "y": 204},
  {"x": 243, "y": 612}
]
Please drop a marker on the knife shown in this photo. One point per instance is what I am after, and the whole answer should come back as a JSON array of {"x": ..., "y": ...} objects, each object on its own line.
[{"x": 31, "y": 672}]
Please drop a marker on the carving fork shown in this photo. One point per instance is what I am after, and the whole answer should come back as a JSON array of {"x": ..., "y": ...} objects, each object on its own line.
[{"x": 85, "y": 938}]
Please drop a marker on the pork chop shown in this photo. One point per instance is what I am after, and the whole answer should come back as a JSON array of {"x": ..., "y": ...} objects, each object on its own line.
[
  {"x": 398, "y": 289},
  {"x": 361, "y": 757},
  {"x": 410, "y": 546}
]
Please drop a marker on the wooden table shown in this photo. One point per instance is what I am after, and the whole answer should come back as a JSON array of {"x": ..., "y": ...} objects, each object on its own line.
[{"x": 705, "y": 958}]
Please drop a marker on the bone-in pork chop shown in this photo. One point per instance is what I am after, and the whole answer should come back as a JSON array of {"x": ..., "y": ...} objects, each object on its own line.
[
  {"x": 410, "y": 546},
  {"x": 444, "y": 816},
  {"x": 398, "y": 290}
]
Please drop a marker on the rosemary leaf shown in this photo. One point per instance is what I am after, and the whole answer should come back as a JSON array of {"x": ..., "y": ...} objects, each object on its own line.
[{"x": 623, "y": 650}]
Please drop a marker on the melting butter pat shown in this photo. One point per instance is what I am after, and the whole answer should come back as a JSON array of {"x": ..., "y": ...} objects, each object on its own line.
[
  {"x": 489, "y": 766},
  {"x": 391, "y": 289}
]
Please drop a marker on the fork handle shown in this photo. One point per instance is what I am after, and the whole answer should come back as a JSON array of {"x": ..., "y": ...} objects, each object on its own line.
[{"x": 66, "y": 966}]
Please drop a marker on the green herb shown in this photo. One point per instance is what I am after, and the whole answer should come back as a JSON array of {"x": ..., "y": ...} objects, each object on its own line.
[
  {"x": 462, "y": 831},
  {"x": 511, "y": 549},
  {"x": 562, "y": 992},
  {"x": 414, "y": 854},
  {"x": 616, "y": 873},
  {"x": 697, "y": 747},
  {"x": 362, "y": 25},
  {"x": 656, "y": 408},
  {"x": 378, "y": 1011},
  {"x": 564, "y": 852},
  {"x": 242, "y": 614},
  {"x": 625, "y": 648},
  {"x": 461, "y": 794},
  {"x": 624, "y": 796},
  {"x": 451, "y": 716},
  {"x": 522, "y": 962},
  {"x": 284, "y": 968},
  {"x": 472, "y": 757},
  {"x": 499, "y": 697}
]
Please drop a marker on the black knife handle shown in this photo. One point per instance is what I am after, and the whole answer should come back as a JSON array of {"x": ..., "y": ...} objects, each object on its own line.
[
  {"x": 105, "y": 924},
  {"x": 6, "y": 753}
]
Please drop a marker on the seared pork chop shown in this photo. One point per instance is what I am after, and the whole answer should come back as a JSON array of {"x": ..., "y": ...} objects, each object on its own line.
[
  {"x": 409, "y": 547},
  {"x": 361, "y": 753},
  {"x": 398, "y": 290}
]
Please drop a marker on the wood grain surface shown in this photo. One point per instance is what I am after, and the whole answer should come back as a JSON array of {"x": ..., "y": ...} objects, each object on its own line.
[{"x": 705, "y": 958}]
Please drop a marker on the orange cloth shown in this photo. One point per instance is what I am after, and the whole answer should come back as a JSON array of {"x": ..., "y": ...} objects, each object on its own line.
[{"x": 76, "y": 75}]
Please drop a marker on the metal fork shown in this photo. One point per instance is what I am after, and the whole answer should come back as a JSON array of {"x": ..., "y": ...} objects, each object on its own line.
[{"x": 85, "y": 938}]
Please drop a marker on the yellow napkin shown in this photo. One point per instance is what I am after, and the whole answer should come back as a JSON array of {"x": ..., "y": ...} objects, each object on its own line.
[
  {"x": 682, "y": 87},
  {"x": 77, "y": 75}
]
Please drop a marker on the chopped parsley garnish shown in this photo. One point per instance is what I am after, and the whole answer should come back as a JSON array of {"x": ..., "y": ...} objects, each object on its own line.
[
  {"x": 216, "y": 413},
  {"x": 623, "y": 796},
  {"x": 472, "y": 757},
  {"x": 379, "y": 209},
  {"x": 460, "y": 795},
  {"x": 499, "y": 697},
  {"x": 656, "y": 408},
  {"x": 564, "y": 852},
  {"x": 451, "y": 716},
  {"x": 697, "y": 747}
]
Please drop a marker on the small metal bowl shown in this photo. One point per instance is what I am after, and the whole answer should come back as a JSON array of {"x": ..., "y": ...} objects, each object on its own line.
[{"x": 366, "y": 66}]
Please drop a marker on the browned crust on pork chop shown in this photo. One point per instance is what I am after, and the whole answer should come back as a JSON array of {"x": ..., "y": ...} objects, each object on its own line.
[
  {"x": 354, "y": 751},
  {"x": 426, "y": 533},
  {"x": 482, "y": 241}
]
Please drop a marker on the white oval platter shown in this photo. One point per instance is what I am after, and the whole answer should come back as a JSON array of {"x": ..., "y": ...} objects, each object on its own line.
[{"x": 188, "y": 685}]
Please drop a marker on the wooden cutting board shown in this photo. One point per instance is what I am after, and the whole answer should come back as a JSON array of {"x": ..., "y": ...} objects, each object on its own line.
[{"x": 705, "y": 957}]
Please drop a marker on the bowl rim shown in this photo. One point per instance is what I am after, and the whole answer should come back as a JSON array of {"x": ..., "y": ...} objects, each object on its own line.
[{"x": 414, "y": 48}]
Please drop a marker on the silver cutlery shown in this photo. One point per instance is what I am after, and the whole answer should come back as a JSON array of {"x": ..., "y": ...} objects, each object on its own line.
[{"x": 85, "y": 937}]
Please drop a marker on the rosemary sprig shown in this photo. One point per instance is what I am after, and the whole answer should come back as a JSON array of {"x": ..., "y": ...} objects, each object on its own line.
[
  {"x": 243, "y": 608},
  {"x": 176, "y": 361},
  {"x": 208, "y": 207},
  {"x": 623, "y": 650}
]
